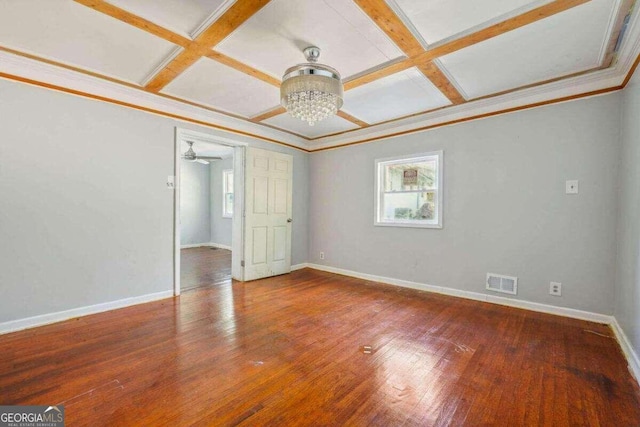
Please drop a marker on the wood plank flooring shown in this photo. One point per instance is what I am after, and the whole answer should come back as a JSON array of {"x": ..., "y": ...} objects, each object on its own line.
[
  {"x": 288, "y": 351},
  {"x": 204, "y": 266}
]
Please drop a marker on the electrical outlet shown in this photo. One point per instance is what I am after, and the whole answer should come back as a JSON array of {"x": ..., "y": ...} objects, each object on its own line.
[
  {"x": 555, "y": 289},
  {"x": 321, "y": 255}
]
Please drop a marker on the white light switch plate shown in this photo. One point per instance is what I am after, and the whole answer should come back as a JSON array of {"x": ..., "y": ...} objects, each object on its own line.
[{"x": 572, "y": 186}]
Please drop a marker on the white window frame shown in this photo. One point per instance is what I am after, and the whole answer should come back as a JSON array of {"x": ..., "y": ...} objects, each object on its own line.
[
  {"x": 379, "y": 176},
  {"x": 225, "y": 174}
]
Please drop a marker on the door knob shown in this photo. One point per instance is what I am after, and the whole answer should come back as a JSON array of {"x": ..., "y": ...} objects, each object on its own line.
[{"x": 289, "y": 220}]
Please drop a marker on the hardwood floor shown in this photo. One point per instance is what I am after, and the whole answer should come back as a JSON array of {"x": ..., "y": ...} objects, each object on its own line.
[
  {"x": 288, "y": 351},
  {"x": 204, "y": 266}
]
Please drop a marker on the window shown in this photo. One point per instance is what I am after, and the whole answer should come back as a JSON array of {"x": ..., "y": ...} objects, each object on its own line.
[
  {"x": 227, "y": 193},
  {"x": 409, "y": 191}
]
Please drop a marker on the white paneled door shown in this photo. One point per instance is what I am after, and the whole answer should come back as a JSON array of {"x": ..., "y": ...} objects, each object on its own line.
[{"x": 268, "y": 203}]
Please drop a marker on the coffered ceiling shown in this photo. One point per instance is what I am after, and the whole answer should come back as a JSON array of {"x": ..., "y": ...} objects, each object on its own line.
[{"x": 403, "y": 62}]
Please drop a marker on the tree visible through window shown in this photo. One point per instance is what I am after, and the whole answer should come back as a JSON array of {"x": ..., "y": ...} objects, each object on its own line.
[
  {"x": 227, "y": 191},
  {"x": 409, "y": 191}
]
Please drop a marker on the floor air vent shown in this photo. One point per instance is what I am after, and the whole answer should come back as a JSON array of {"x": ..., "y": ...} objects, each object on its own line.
[{"x": 500, "y": 283}]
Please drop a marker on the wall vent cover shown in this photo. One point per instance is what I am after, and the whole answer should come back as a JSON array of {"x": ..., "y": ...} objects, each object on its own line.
[{"x": 502, "y": 283}]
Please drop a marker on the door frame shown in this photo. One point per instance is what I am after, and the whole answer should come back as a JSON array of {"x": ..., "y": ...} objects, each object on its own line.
[{"x": 237, "y": 244}]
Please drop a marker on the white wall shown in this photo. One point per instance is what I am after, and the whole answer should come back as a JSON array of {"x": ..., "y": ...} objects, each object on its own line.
[
  {"x": 195, "y": 203},
  {"x": 505, "y": 208},
  {"x": 627, "y": 301},
  {"x": 85, "y": 215},
  {"x": 220, "y": 226}
]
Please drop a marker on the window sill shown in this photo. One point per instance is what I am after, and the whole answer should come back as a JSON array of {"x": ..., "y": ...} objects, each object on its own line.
[{"x": 406, "y": 225}]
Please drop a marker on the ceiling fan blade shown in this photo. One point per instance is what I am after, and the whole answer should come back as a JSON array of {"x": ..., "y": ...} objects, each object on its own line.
[
  {"x": 209, "y": 158},
  {"x": 204, "y": 162}
]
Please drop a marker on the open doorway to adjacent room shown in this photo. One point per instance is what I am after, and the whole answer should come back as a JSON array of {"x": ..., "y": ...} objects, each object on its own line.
[{"x": 205, "y": 202}]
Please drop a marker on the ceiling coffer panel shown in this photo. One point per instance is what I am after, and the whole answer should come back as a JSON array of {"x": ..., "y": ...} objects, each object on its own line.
[
  {"x": 185, "y": 17},
  {"x": 397, "y": 95},
  {"x": 560, "y": 45},
  {"x": 436, "y": 21},
  {"x": 73, "y": 34},
  {"x": 218, "y": 86},
  {"x": 272, "y": 39}
]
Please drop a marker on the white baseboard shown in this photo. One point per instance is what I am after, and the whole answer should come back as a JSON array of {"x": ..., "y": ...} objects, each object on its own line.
[
  {"x": 299, "y": 266},
  {"x": 45, "y": 319},
  {"x": 208, "y": 244},
  {"x": 194, "y": 245},
  {"x": 627, "y": 349},
  {"x": 533, "y": 306},
  {"x": 552, "y": 309},
  {"x": 220, "y": 246}
]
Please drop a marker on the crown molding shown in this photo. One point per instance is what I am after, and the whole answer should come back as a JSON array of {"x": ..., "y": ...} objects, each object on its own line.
[
  {"x": 563, "y": 91},
  {"x": 43, "y": 74},
  {"x": 32, "y": 71}
]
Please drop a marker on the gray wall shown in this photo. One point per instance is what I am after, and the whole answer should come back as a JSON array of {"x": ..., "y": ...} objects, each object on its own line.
[
  {"x": 505, "y": 208},
  {"x": 627, "y": 301},
  {"x": 220, "y": 226},
  {"x": 85, "y": 215},
  {"x": 82, "y": 229},
  {"x": 195, "y": 205}
]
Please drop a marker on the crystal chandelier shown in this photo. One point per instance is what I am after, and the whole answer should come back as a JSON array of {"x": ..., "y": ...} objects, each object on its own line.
[{"x": 311, "y": 91}]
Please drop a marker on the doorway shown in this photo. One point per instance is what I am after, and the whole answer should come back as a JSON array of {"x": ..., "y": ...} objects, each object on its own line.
[{"x": 208, "y": 192}]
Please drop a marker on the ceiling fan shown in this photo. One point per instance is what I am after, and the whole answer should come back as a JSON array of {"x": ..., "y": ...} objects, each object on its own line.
[{"x": 191, "y": 156}]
